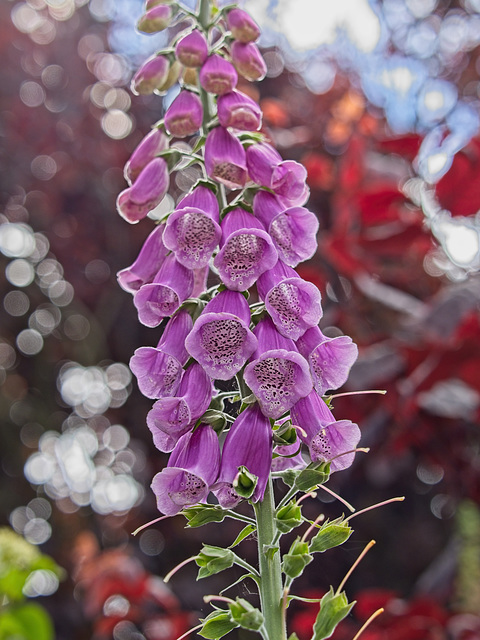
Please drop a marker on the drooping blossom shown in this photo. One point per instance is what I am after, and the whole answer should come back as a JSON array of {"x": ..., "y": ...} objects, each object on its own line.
[
  {"x": 191, "y": 470},
  {"x": 148, "y": 190},
  {"x": 172, "y": 416},
  {"x": 159, "y": 369},
  {"x": 192, "y": 49},
  {"x": 293, "y": 303},
  {"x": 152, "y": 145},
  {"x": 221, "y": 340},
  {"x": 152, "y": 75},
  {"x": 293, "y": 230},
  {"x": 286, "y": 178},
  {"x": 217, "y": 75},
  {"x": 148, "y": 262},
  {"x": 246, "y": 250},
  {"x": 239, "y": 111},
  {"x": 225, "y": 158},
  {"x": 192, "y": 231},
  {"x": 155, "y": 19},
  {"x": 330, "y": 359},
  {"x": 248, "y": 444},
  {"x": 159, "y": 299},
  {"x": 328, "y": 440},
  {"x": 277, "y": 374},
  {"x": 242, "y": 25},
  {"x": 184, "y": 116},
  {"x": 248, "y": 60}
]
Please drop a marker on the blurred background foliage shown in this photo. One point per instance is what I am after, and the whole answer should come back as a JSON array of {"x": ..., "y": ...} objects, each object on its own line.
[{"x": 379, "y": 100}]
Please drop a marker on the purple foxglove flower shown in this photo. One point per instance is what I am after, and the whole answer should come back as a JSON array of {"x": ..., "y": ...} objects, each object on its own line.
[
  {"x": 277, "y": 374},
  {"x": 328, "y": 440},
  {"x": 201, "y": 198},
  {"x": 148, "y": 190},
  {"x": 293, "y": 303},
  {"x": 242, "y": 25},
  {"x": 246, "y": 250},
  {"x": 220, "y": 339},
  {"x": 217, "y": 75},
  {"x": 147, "y": 264},
  {"x": 152, "y": 74},
  {"x": 248, "y": 60},
  {"x": 225, "y": 159},
  {"x": 152, "y": 144},
  {"x": 286, "y": 458},
  {"x": 157, "y": 18},
  {"x": 192, "y": 234},
  {"x": 239, "y": 111},
  {"x": 293, "y": 230},
  {"x": 184, "y": 116},
  {"x": 161, "y": 298},
  {"x": 159, "y": 369},
  {"x": 285, "y": 177},
  {"x": 192, "y": 49},
  {"x": 330, "y": 359},
  {"x": 248, "y": 444},
  {"x": 191, "y": 470},
  {"x": 171, "y": 417}
]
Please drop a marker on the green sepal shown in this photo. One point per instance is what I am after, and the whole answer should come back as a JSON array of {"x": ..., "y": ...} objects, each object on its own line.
[
  {"x": 288, "y": 476},
  {"x": 331, "y": 534},
  {"x": 334, "y": 607},
  {"x": 245, "y": 483},
  {"x": 288, "y": 517},
  {"x": 316, "y": 473},
  {"x": 246, "y": 615},
  {"x": 202, "y": 514},
  {"x": 217, "y": 624},
  {"x": 285, "y": 437},
  {"x": 295, "y": 561},
  {"x": 216, "y": 419},
  {"x": 212, "y": 560},
  {"x": 244, "y": 533}
]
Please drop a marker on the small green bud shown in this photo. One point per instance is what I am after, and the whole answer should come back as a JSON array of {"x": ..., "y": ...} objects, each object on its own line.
[
  {"x": 217, "y": 624},
  {"x": 216, "y": 419},
  {"x": 330, "y": 534},
  {"x": 316, "y": 473},
  {"x": 334, "y": 607},
  {"x": 295, "y": 561},
  {"x": 245, "y": 483},
  {"x": 202, "y": 514},
  {"x": 288, "y": 517},
  {"x": 245, "y": 615},
  {"x": 286, "y": 437},
  {"x": 212, "y": 560}
]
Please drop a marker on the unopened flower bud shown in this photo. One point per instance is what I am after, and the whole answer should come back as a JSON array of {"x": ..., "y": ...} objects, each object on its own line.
[
  {"x": 152, "y": 74},
  {"x": 155, "y": 19},
  {"x": 242, "y": 25},
  {"x": 225, "y": 159},
  {"x": 146, "y": 193},
  {"x": 151, "y": 145},
  {"x": 248, "y": 60},
  {"x": 184, "y": 116},
  {"x": 192, "y": 49},
  {"x": 237, "y": 110},
  {"x": 218, "y": 75},
  {"x": 172, "y": 77}
]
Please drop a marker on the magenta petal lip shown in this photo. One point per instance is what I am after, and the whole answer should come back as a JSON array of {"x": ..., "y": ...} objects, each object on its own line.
[
  {"x": 158, "y": 373},
  {"x": 192, "y": 235}
]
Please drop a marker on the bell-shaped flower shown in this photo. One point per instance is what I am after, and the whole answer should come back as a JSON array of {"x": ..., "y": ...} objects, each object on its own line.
[
  {"x": 286, "y": 178},
  {"x": 293, "y": 230},
  {"x": 246, "y": 250},
  {"x": 159, "y": 369},
  {"x": 248, "y": 444},
  {"x": 293, "y": 303},
  {"x": 148, "y": 190},
  {"x": 221, "y": 340},
  {"x": 192, "y": 231},
  {"x": 172, "y": 416},
  {"x": 192, "y": 49},
  {"x": 155, "y": 19},
  {"x": 239, "y": 111},
  {"x": 242, "y": 25},
  {"x": 330, "y": 359},
  {"x": 191, "y": 470},
  {"x": 147, "y": 263},
  {"x": 217, "y": 75},
  {"x": 184, "y": 116},
  {"x": 152, "y": 75},
  {"x": 159, "y": 299},
  {"x": 248, "y": 60},
  {"x": 328, "y": 440},
  {"x": 277, "y": 374},
  {"x": 152, "y": 145},
  {"x": 225, "y": 159}
]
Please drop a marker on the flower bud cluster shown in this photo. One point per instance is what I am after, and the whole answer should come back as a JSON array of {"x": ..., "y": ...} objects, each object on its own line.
[{"x": 244, "y": 227}]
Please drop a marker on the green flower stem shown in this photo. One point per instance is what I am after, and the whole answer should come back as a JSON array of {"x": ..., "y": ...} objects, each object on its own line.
[{"x": 271, "y": 589}]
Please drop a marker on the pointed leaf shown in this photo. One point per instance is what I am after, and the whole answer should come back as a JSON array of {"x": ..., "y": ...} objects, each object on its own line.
[
  {"x": 217, "y": 624},
  {"x": 244, "y": 533},
  {"x": 334, "y": 607}
]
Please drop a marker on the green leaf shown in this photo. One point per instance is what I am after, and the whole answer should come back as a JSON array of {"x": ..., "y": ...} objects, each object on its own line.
[
  {"x": 26, "y": 622},
  {"x": 203, "y": 514},
  {"x": 246, "y": 615},
  {"x": 313, "y": 475},
  {"x": 288, "y": 517},
  {"x": 244, "y": 533},
  {"x": 295, "y": 561},
  {"x": 334, "y": 607},
  {"x": 331, "y": 534},
  {"x": 217, "y": 624},
  {"x": 212, "y": 560},
  {"x": 245, "y": 483}
]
